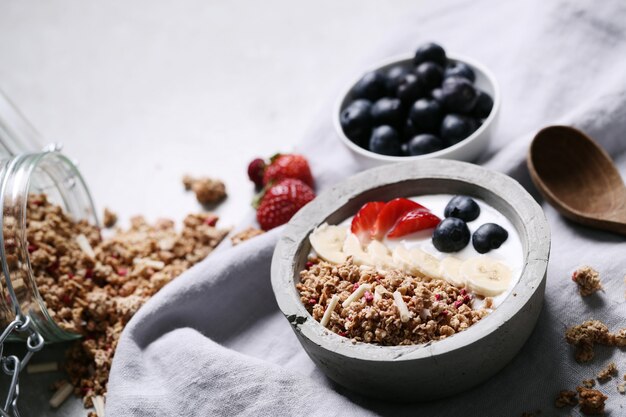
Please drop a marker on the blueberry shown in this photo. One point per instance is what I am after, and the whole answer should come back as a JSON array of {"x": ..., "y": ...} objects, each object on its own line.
[
  {"x": 385, "y": 141},
  {"x": 430, "y": 74},
  {"x": 423, "y": 144},
  {"x": 460, "y": 69},
  {"x": 430, "y": 52},
  {"x": 462, "y": 207},
  {"x": 371, "y": 86},
  {"x": 436, "y": 93},
  {"x": 489, "y": 236},
  {"x": 483, "y": 106},
  {"x": 458, "y": 94},
  {"x": 387, "y": 111},
  {"x": 455, "y": 128},
  {"x": 394, "y": 76},
  {"x": 410, "y": 89},
  {"x": 451, "y": 235},
  {"x": 357, "y": 122},
  {"x": 426, "y": 115}
]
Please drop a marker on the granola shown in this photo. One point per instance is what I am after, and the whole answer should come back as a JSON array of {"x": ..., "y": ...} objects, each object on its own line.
[
  {"x": 244, "y": 235},
  {"x": 607, "y": 372},
  {"x": 589, "y": 383},
  {"x": 207, "y": 190},
  {"x": 93, "y": 287},
  {"x": 589, "y": 333},
  {"x": 591, "y": 401},
  {"x": 587, "y": 279},
  {"x": 565, "y": 398},
  {"x": 386, "y": 308},
  {"x": 109, "y": 218}
]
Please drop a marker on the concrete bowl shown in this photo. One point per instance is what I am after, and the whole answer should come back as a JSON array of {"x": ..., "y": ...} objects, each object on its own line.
[
  {"x": 469, "y": 149},
  {"x": 432, "y": 370}
]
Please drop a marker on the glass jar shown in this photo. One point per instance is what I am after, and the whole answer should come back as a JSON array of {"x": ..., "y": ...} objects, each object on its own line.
[{"x": 27, "y": 168}]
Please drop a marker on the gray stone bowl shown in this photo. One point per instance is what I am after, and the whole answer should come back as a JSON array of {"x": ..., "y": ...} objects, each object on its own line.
[{"x": 432, "y": 370}]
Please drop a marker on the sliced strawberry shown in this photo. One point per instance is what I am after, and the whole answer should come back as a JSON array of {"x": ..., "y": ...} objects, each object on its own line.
[
  {"x": 414, "y": 221},
  {"x": 363, "y": 222},
  {"x": 391, "y": 213}
]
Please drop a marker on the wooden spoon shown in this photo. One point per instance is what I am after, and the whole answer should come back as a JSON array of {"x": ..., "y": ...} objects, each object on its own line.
[{"x": 578, "y": 178}]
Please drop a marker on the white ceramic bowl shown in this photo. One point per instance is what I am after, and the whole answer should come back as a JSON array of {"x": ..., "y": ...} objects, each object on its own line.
[
  {"x": 469, "y": 149},
  {"x": 436, "y": 369}
]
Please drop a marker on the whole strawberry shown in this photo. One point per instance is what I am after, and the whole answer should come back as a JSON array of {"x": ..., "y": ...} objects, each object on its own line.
[
  {"x": 288, "y": 166},
  {"x": 281, "y": 201},
  {"x": 256, "y": 169}
]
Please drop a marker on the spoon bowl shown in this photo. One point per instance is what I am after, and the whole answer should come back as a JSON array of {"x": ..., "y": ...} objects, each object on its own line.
[{"x": 578, "y": 178}]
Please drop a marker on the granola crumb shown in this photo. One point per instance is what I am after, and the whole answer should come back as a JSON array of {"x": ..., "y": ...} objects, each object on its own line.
[
  {"x": 565, "y": 398},
  {"x": 591, "y": 401},
  {"x": 621, "y": 387},
  {"x": 207, "y": 190},
  {"x": 587, "y": 279},
  {"x": 608, "y": 372},
  {"x": 589, "y": 383},
  {"x": 244, "y": 235},
  {"x": 110, "y": 218}
]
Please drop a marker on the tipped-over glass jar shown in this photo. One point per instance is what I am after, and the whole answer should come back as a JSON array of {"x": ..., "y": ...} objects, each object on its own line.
[{"x": 27, "y": 169}]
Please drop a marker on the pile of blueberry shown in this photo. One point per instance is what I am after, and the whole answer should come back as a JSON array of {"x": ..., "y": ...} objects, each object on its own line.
[
  {"x": 415, "y": 109},
  {"x": 452, "y": 233}
]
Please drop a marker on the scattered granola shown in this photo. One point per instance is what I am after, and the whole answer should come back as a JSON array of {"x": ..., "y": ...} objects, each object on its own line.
[
  {"x": 565, "y": 398},
  {"x": 587, "y": 279},
  {"x": 591, "y": 332},
  {"x": 93, "y": 286},
  {"x": 621, "y": 387},
  {"x": 207, "y": 190},
  {"x": 435, "y": 309},
  {"x": 109, "y": 218},
  {"x": 244, "y": 235},
  {"x": 591, "y": 401},
  {"x": 589, "y": 383},
  {"x": 608, "y": 372}
]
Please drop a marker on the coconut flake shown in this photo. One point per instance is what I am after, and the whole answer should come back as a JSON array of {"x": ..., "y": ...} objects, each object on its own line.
[
  {"x": 150, "y": 263},
  {"x": 39, "y": 368},
  {"x": 61, "y": 394},
  {"x": 98, "y": 405},
  {"x": 405, "y": 314},
  {"x": 85, "y": 246},
  {"x": 358, "y": 293},
  {"x": 329, "y": 310}
]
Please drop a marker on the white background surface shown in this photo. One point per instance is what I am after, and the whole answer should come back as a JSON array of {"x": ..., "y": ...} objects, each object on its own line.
[{"x": 143, "y": 92}]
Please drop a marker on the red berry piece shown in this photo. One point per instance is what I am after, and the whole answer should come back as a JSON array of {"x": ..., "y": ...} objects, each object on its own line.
[
  {"x": 256, "y": 169},
  {"x": 363, "y": 222},
  {"x": 288, "y": 166},
  {"x": 391, "y": 213},
  {"x": 414, "y": 221},
  {"x": 281, "y": 201}
]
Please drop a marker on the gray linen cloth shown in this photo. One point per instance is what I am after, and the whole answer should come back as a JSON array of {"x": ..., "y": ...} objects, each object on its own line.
[{"x": 213, "y": 342}]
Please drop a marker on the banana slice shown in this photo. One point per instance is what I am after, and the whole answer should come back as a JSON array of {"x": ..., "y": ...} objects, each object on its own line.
[
  {"x": 328, "y": 242},
  {"x": 352, "y": 247},
  {"x": 450, "y": 270},
  {"x": 486, "y": 276},
  {"x": 416, "y": 261},
  {"x": 380, "y": 255},
  {"x": 402, "y": 258}
]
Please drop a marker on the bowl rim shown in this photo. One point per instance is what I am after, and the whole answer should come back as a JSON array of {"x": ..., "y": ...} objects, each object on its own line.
[
  {"x": 535, "y": 231},
  {"x": 398, "y": 59}
]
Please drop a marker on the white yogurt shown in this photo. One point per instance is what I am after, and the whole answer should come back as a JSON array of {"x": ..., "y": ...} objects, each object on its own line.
[{"x": 510, "y": 253}]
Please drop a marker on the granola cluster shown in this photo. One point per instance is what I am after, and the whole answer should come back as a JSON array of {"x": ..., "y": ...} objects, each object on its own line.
[
  {"x": 587, "y": 279},
  {"x": 207, "y": 190},
  {"x": 591, "y": 401},
  {"x": 436, "y": 309},
  {"x": 608, "y": 372},
  {"x": 591, "y": 332},
  {"x": 244, "y": 235},
  {"x": 566, "y": 398},
  {"x": 93, "y": 286}
]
